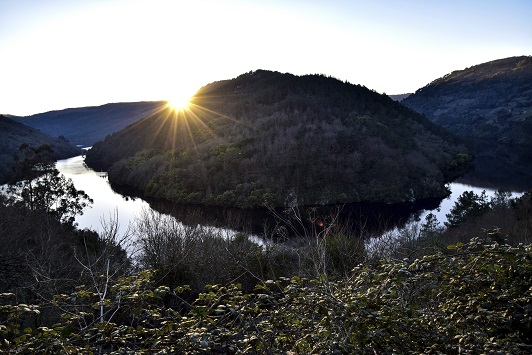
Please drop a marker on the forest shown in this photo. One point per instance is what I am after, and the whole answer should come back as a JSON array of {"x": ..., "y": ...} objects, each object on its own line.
[
  {"x": 488, "y": 101},
  {"x": 272, "y": 139},
  {"x": 14, "y": 134},
  {"x": 489, "y": 105},
  {"x": 464, "y": 285}
]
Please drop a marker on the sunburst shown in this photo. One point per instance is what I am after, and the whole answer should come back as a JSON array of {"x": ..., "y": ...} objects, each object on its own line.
[{"x": 179, "y": 104}]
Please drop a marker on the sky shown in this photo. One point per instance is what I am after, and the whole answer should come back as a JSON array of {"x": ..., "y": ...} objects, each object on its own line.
[{"x": 57, "y": 54}]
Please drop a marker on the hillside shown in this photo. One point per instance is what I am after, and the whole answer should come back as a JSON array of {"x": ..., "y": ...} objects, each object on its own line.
[
  {"x": 14, "y": 134},
  {"x": 491, "y": 105},
  {"x": 491, "y": 100},
  {"x": 87, "y": 125},
  {"x": 399, "y": 97},
  {"x": 280, "y": 139}
]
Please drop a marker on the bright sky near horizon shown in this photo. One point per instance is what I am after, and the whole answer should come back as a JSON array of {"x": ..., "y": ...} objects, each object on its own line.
[{"x": 56, "y": 54}]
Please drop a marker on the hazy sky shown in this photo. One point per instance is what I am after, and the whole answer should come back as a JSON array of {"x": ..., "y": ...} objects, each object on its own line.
[{"x": 56, "y": 54}]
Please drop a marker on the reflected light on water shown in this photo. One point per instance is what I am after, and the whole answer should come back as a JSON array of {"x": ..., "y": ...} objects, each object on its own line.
[{"x": 106, "y": 202}]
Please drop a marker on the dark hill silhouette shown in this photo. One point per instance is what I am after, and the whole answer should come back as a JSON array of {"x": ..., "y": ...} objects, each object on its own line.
[
  {"x": 491, "y": 105},
  {"x": 267, "y": 137},
  {"x": 87, "y": 125},
  {"x": 399, "y": 97},
  {"x": 14, "y": 134}
]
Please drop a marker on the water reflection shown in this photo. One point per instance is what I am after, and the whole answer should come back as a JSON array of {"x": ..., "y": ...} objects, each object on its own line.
[
  {"x": 374, "y": 218},
  {"x": 500, "y": 166},
  {"x": 106, "y": 202},
  {"x": 457, "y": 189}
]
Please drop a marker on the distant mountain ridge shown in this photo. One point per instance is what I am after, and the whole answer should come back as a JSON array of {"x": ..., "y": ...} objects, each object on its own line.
[
  {"x": 281, "y": 139},
  {"x": 86, "y": 125},
  {"x": 13, "y": 134},
  {"x": 399, "y": 97}
]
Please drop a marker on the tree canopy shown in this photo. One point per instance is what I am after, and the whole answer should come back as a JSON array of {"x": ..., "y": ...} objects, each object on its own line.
[
  {"x": 266, "y": 138},
  {"x": 37, "y": 185}
]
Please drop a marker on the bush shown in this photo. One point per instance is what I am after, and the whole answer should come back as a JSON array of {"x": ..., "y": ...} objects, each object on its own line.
[{"x": 474, "y": 300}]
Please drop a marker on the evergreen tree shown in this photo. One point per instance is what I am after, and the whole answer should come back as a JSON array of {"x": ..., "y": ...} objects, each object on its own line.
[{"x": 36, "y": 184}]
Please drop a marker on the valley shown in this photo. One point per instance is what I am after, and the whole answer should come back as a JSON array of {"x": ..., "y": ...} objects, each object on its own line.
[
  {"x": 109, "y": 204},
  {"x": 270, "y": 215}
]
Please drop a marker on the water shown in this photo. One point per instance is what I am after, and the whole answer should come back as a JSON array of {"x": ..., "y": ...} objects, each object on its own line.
[
  {"x": 108, "y": 203},
  {"x": 458, "y": 189}
]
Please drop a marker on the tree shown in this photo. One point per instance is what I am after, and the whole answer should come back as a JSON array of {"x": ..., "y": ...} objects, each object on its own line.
[
  {"x": 36, "y": 184},
  {"x": 501, "y": 199},
  {"x": 468, "y": 205}
]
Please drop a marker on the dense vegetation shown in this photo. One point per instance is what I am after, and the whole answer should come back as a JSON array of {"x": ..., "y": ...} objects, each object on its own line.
[
  {"x": 491, "y": 100},
  {"x": 491, "y": 105},
  {"x": 475, "y": 300},
  {"x": 202, "y": 290},
  {"x": 42, "y": 251},
  {"x": 87, "y": 125},
  {"x": 14, "y": 134},
  {"x": 279, "y": 139}
]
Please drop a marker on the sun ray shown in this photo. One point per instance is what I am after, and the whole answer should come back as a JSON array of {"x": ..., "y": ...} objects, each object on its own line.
[
  {"x": 187, "y": 124},
  {"x": 180, "y": 102}
]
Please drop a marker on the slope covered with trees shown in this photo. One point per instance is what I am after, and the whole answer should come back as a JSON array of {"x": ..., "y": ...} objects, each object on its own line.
[
  {"x": 13, "y": 135},
  {"x": 280, "y": 139},
  {"x": 491, "y": 100},
  {"x": 87, "y": 125},
  {"x": 197, "y": 290},
  {"x": 491, "y": 105}
]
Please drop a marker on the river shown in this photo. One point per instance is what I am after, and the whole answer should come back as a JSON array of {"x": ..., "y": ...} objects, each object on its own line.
[{"x": 108, "y": 203}]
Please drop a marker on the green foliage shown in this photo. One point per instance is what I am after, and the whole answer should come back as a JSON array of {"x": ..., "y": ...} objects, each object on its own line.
[
  {"x": 475, "y": 300},
  {"x": 471, "y": 206},
  {"x": 468, "y": 205}
]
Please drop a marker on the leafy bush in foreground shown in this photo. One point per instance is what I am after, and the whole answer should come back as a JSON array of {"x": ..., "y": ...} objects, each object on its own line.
[{"x": 477, "y": 299}]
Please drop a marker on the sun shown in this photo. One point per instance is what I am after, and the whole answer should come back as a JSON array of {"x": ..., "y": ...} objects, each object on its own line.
[{"x": 180, "y": 103}]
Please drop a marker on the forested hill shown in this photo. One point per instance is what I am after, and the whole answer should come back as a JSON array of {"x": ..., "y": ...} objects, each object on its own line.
[
  {"x": 491, "y": 105},
  {"x": 14, "y": 134},
  {"x": 491, "y": 100},
  {"x": 280, "y": 139},
  {"x": 87, "y": 125}
]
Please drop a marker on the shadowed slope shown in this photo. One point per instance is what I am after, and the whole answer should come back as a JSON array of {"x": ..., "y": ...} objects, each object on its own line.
[
  {"x": 491, "y": 105},
  {"x": 14, "y": 134},
  {"x": 87, "y": 125}
]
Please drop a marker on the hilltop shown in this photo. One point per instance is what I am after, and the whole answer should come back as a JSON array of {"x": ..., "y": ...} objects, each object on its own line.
[
  {"x": 280, "y": 139},
  {"x": 491, "y": 105},
  {"x": 14, "y": 134},
  {"x": 87, "y": 125}
]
